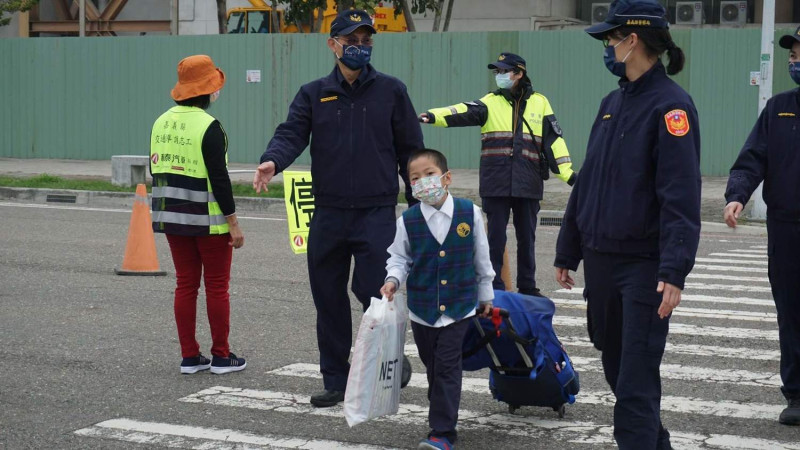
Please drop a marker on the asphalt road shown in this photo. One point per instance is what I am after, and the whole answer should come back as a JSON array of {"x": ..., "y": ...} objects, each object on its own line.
[{"x": 91, "y": 359}]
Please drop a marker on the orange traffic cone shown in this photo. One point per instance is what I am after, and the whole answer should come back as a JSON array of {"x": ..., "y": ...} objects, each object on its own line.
[
  {"x": 505, "y": 272},
  {"x": 140, "y": 252}
]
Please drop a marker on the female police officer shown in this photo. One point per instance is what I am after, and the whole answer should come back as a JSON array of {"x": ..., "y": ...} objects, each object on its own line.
[
  {"x": 634, "y": 214},
  {"x": 518, "y": 128}
]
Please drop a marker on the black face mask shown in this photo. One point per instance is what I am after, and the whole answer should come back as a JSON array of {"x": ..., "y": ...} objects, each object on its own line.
[{"x": 355, "y": 57}]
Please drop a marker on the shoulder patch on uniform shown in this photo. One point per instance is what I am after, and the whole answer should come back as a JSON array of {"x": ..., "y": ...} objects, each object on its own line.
[
  {"x": 787, "y": 114},
  {"x": 677, "y": 122},
  {"x": 606, "y": 117},
  {"x": 554, "y": 124},
  {"x": 328, "y": 99}
]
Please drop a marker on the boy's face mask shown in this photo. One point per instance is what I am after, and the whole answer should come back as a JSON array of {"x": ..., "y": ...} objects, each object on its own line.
[{"x": 429, "y": 190}]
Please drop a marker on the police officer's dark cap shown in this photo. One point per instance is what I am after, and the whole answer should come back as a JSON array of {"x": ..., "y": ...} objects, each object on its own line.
[
  {"x": 508, "y": 61},
  {"x": 630, "y": 13},
  {"x": 348, "y": 20},
  {"x": 788, "y": 40}
]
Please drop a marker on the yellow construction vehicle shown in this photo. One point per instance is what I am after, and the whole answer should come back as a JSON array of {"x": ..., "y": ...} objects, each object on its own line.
[{"x": 261, "y": 18}]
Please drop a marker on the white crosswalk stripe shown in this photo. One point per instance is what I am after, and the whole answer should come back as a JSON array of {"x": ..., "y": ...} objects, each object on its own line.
[{"x": 723, "y": 343}]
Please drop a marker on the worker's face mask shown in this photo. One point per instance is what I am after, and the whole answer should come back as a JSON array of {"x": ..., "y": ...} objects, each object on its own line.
[
  {"x": 610, "y": 58},
  {"x": 794, "y": 71},
  {"x": 214, "y": 96},
  {"x": 429, "y": 190},
  {"x": 504, "y": 80},
  {"x": 355, "y": 57}
]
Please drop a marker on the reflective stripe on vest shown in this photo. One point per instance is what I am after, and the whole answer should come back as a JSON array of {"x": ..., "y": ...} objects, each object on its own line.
[
  {"x": 497, "y": 134},
  {"x": 176, "y": 155}
]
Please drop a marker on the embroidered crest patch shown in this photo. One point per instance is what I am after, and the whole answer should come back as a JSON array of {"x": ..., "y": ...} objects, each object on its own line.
[
  {"x": 463, "y": 229},
  {"x": 677, "y": 122}
]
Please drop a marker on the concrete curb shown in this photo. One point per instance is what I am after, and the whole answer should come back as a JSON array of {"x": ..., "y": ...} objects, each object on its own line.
[{"x": 271, "y": 206}]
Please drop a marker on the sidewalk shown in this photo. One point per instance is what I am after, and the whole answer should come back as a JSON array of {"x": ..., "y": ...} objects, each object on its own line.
[{"x": 465, "y": 181}]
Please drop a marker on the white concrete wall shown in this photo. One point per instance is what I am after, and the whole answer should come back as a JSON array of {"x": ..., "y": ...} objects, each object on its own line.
[
  {"x": 500, "y": 15},
  {"x": 11, "y": 30}
]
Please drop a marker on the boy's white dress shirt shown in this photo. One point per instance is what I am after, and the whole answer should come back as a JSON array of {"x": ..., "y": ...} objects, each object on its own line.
[{"x": 439, "y": 220}]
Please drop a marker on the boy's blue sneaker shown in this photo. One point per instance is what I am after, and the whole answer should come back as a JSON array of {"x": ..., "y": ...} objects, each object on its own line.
[
  {"x": 435, "y": 443},
  {"x": 232, "y": 363},
  {"x": 196, "y": 364}
]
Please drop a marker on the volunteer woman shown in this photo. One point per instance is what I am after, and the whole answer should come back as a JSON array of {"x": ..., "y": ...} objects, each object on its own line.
[
  {"x": 193, "y": 205},
  {"x": 634, "y": 214}
]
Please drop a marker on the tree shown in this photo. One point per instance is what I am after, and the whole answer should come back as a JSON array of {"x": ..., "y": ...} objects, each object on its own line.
[{"x": 12, "y": 6}]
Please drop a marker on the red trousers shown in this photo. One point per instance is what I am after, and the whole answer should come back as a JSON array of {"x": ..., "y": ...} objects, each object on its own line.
[{"x": 209, "y": 256}]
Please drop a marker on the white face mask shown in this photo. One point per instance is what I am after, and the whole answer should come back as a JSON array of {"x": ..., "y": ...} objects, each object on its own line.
[{"x": 214, "y": 96}]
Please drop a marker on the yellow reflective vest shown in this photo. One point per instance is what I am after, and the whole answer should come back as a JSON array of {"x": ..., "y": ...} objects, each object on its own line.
[
  {"x": 183, "y": 201},
  {"x": 517, "y": 136}
]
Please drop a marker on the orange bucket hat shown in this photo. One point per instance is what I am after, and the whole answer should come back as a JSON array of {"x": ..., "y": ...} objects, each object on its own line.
[{"x": 197, "y": 75}]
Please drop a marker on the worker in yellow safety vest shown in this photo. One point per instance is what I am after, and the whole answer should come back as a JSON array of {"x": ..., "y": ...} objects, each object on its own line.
[
  {"x": 193, "y": 205},
  {"x": 521, "y": 143}
]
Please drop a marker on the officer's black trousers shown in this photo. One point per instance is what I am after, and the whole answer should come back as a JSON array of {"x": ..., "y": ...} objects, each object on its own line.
[
  {"x": 498, "y": 210},
  {"x": 623, "y": 322},
  {"x": 784, "y": 276},
  {"x": 336, "y": 236}
]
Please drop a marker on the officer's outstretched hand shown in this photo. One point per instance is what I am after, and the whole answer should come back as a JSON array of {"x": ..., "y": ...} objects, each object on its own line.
[
  {"x": 671, "y": 298},
  {"x": 264, "y": 174},
  {"x": 388, "y": 290},
  {"x": 425, "y": 118},
  {"x": 731, "y": 213},
  {"x": 563, "y": 278}
]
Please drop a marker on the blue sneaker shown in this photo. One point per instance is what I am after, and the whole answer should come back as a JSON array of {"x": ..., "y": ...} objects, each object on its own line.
[
  {"x": 232, "y": 363},
  {"x": 435, "y": 443},
  {"x": 194, "y": 365}
]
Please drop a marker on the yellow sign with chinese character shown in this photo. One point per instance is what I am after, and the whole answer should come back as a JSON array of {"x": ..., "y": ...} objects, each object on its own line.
[{"x": 299, "y": 207}]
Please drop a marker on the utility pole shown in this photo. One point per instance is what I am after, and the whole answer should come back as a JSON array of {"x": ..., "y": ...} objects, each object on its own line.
[
  {"x": 82, "y": 18},
  {"x": 759, "y": 209}
]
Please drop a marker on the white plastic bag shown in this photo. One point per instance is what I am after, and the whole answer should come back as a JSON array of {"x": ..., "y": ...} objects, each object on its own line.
[{"x": 373, "y": 385}]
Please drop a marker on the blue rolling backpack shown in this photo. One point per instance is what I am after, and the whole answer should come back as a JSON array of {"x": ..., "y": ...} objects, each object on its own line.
[{"x": 529, "y": 366}]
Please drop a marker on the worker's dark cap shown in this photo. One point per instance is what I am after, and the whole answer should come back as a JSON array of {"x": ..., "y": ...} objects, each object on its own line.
[
  {"x": 630, "y": 13},
  {"x": 788, "y": 40},
  {"x": 508, "y": 61},
  {"x": 348, "y": 20}
]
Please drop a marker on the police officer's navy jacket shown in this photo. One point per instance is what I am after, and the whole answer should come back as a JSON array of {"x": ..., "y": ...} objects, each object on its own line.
[
  {"x": 639, "y": 188},
  {"x": 772, "y": 154},
  {"x": 360, "y": 134},
  {"x": 515, "y": 133}
]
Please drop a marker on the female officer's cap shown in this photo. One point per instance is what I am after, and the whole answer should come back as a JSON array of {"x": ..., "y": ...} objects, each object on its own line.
[
  {"x": 788, "y": 40},
  {"x": 508, "y": 61},
  {"x": 630, "y": 13}
]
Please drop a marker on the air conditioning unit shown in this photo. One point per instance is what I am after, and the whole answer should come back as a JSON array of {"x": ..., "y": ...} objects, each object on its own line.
[
  {"x": 599, "y": 12},
  {"x": 733, "y": 13},
  {"x": 688, "y": 13}
]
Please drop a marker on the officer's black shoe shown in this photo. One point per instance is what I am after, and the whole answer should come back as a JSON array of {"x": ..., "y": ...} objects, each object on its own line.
[
  {"x": 535, "y": 292},
  {"x": 327, "y": 398},
  {"x": 791, "y": 415},
  {"x": 406, "y": 376}
]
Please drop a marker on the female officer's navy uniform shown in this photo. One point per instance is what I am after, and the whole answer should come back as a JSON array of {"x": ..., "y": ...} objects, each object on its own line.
[
  {"x": 772, "y": 154},
  {"x": 634, "y": 218}
]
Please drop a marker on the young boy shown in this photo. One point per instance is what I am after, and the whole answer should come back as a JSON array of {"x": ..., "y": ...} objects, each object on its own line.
[{"x": 442, "y": 250}]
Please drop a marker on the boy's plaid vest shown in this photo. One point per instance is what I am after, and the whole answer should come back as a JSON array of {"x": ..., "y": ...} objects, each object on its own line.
[{"x": 442, "y": 278}]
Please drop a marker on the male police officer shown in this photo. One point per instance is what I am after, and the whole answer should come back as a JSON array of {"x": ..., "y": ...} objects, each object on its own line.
[
  {"x": 772, "y": 154},
  {"x": 364, "y": 127},
  {"x": 520, "y": 143}
]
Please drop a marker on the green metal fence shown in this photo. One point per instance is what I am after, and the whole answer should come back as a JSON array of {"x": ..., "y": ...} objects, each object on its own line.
[{"x": 92, "y": 98}]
